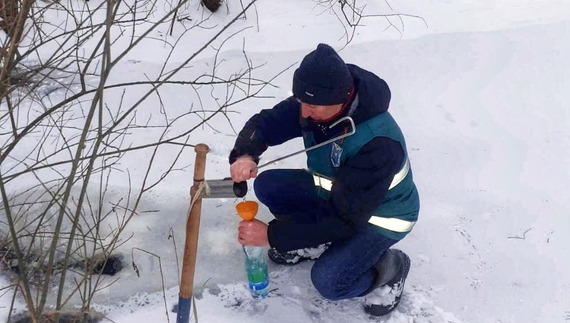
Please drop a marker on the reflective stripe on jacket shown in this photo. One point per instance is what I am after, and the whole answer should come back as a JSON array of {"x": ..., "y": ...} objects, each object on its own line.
[{"x": 397, "y": 213}]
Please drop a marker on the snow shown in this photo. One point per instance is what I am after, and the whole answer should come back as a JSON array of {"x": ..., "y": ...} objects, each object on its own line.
[{"x": 480, "y": 93}]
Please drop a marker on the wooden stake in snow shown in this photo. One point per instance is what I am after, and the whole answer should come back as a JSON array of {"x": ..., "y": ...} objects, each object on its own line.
[{"x": 192, "y": 226}]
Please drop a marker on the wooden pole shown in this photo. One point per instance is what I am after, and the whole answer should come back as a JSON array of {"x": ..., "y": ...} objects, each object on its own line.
[{"x": 192, "y": 231}]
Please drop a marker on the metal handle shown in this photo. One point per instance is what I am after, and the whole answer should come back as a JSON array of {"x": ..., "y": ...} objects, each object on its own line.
[
  {"x": 240, "y": 189},
  {"x": 352, "y": 132}
]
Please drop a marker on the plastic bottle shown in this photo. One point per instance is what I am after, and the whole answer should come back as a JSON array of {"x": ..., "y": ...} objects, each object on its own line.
[
  {"x": 255, "y": 264},
  {"x": 256, "y": 269}
]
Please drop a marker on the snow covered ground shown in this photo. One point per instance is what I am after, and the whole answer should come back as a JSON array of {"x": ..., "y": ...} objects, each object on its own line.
[{"x": 480, "y": 95}]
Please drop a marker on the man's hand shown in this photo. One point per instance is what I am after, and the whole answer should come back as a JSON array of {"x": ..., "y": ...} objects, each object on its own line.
[
  {"x": 253, "y": 233},
  {"x": 243, "y": 169}
]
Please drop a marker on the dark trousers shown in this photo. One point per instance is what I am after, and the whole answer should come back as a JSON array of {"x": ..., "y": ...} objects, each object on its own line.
[{"x": 345, "y": 269}]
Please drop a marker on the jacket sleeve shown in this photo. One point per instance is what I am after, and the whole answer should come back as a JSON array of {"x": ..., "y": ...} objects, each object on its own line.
[
  {"x": 269, "y": 127},
  {"x": 358, "y": 189}
]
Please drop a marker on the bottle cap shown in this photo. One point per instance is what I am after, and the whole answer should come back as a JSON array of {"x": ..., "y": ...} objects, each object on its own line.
[{"x": 247, "y": 210}]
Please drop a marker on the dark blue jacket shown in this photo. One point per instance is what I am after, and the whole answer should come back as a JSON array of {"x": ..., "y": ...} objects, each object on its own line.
[{"x": 361, "y": 182}]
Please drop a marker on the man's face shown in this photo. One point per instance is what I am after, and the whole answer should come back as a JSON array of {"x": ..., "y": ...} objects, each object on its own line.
[{"x": 320, "y": 112}]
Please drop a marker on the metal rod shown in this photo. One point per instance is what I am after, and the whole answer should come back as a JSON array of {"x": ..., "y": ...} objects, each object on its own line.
[
  {"x": 191, "y": 243},
  {"x": 352, "y": 132},
  {"x": 240, "y": 189}
]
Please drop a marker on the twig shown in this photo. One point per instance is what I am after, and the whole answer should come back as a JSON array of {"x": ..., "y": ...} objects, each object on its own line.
[
  {"x": 161, "y": 275},
  {"x": 519, "y": 237},
  {"x": 171, "y": 235}
]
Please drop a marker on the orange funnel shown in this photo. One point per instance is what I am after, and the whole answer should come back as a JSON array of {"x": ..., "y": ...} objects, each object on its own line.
[{"x": 247, "y": 210}]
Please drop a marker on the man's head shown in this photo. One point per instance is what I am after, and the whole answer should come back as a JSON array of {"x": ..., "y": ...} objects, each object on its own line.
[{"x": 322, "y": 83}]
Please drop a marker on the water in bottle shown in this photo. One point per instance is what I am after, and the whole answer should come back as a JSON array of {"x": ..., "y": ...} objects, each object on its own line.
[{"x": 256, "y": 269}]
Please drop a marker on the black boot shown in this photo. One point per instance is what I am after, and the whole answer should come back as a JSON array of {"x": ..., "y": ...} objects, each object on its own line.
[
  {"x": 295, "y": 256},
  {"x": 393, "y": 268}
]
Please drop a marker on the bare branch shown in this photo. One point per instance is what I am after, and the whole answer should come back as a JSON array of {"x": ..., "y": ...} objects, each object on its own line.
[
  {"x": 351, "y": 15},
  {"x": 519, "y": 237}
]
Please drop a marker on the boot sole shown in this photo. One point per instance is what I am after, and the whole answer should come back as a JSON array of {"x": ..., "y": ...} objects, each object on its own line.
[{"x": 280, "y": 260}]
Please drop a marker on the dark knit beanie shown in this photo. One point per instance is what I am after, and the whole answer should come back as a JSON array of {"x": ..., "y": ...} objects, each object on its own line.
[{"x": 322, "y": 78}]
